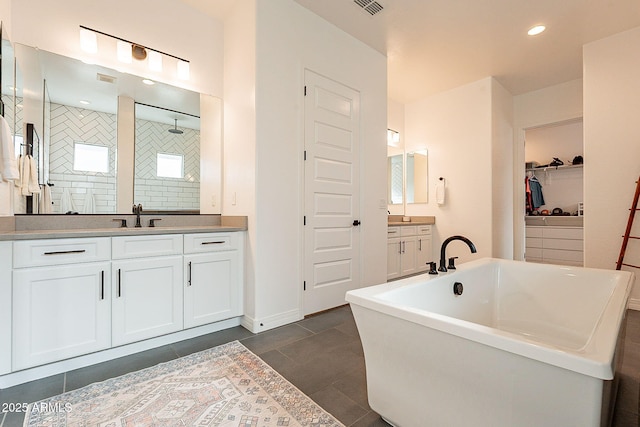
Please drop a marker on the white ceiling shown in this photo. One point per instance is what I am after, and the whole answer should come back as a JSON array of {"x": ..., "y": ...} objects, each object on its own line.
[{"x": 435, "y": 45}]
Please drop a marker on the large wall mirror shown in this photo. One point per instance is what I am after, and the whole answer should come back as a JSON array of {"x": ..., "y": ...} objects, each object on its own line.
[
  {"x": 407, "y": 178},
  {"x": 78, "y": 127}
]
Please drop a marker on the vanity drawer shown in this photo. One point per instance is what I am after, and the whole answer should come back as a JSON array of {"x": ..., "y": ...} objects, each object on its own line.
[
  {"x": 36, "y": 253},
  {"x": 424, "y": 230},
  {"x": 210, "y": 242},
  {"x": 126, "y": 247},
  {"x": 408, "y": 230},
  {"x": 393, "y": 232}
]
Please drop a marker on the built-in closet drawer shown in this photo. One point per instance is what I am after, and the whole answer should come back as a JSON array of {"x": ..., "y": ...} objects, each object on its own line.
[
  {"x": 126, "y": 247},
  {"x": 37, "y": 253},
  {"x": 562, "y": 233}
]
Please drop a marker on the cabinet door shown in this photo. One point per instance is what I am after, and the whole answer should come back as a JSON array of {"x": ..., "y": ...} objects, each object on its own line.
[
  {"x": 394, "y": 251},
  {"x": 212, "y": 290},
  {"x": 6, "y": 256},
  {"x": 408, "y": 259},
  {"x": 147, "y": 298},
  {"x": 424, "y": 253},
  {"x": 60, "y": 312}
]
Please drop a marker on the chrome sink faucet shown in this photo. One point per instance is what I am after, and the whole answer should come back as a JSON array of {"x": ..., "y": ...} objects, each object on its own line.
[
  {"x": 443, "y": 249},
  {"x": 137, "y": 210}
]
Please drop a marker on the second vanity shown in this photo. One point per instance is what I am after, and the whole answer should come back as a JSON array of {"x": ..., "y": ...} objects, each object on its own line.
[
  {"x": 409, "y": 245},
  {"x": 74, "y": 297}
]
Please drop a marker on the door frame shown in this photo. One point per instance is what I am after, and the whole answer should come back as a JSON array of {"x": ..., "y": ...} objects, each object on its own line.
[
  {"x": 301, "y": 174},
  {"x": 519, "y": 171}
]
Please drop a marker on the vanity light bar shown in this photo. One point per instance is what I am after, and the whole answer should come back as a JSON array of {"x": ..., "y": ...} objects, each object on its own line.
[{"x": 125, "y": 48}]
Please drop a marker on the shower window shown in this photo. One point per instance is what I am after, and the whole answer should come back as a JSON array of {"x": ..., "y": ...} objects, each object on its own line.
[
  {"x": 90, "y": 158},
  {"x": 170, "y": 166}
]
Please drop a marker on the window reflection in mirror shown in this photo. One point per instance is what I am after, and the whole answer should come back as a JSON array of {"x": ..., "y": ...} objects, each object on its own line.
[
  {"x": 417, "y": 177},
  {"x": 395, "y": 177}
]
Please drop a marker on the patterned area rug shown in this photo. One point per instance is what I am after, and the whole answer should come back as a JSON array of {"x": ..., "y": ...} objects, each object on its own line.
[{"x": 224, "y": 386}]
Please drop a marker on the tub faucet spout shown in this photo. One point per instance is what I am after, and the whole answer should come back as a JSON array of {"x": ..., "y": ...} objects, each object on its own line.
[{"x": 443, "y": 249}]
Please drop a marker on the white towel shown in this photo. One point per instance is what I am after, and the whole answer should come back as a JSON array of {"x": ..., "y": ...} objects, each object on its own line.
[
  {"x": 440, "y": 192},
  {"x": 46, "y": 205},
  {"x": 18, "y": 181},
  {"x": 89, "y": 203},
  {"x": 66, "y": 202},
  {"x": 25, "y": 173},
  {"x": 34, "y": 186},
  {"x": 8, "y": 164}
]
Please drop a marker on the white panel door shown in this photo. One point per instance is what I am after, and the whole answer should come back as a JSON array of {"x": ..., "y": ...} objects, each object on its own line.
[{"x": 332, "y": 206}]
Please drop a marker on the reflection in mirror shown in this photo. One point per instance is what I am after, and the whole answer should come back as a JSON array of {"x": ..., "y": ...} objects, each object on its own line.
[
  {"x": 417, "y": 177},
  {"x": 394, "y": 170},
  {"x": 167, "y": 159},
  {"x": 80, "y": 144}
]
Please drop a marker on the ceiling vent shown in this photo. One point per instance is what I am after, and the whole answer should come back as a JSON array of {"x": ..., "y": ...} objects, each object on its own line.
[
  {"x": 105, "y": 78},
  {"x": 370, "y": 6}
]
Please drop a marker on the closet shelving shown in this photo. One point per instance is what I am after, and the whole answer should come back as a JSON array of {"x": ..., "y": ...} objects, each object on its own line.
[{"x": 553, "y": 168}]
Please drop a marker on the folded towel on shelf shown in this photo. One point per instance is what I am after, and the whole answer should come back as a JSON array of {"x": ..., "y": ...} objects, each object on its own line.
[
  {"x": 46, "y": 205},
  {"x": 8, "y": 163},
  {"x": 89, "y": 202},
  {"x": 66, "y": 202}
]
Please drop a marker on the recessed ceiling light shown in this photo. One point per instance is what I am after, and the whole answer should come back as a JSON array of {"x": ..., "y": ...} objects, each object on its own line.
[
  {"x": 148, "y": 82},
  {"x": 84, "y": 102},
  {"x": 534, "y": 31}
]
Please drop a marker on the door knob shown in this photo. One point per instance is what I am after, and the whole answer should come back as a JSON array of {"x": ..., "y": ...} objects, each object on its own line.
[{"x": 356, "y": 222}]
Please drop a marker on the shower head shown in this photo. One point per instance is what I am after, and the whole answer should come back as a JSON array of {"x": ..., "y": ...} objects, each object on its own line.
[{"x": 175, "y": 128}]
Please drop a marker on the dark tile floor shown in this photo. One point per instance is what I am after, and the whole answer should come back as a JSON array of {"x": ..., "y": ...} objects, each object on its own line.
[{"x": 321, "y": 355}]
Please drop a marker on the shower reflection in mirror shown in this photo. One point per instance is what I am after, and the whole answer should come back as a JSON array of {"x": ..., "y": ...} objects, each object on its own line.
[{"x": 167, "y": 159}]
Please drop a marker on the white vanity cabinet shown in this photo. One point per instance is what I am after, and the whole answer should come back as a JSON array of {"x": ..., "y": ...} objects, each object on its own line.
[
  {"x": 146, "y": 287},
  {"x": 409, "y": 248},
  {"x": 6, "y": 256},
  {"x": 61, "y": 299},
  {"x": 213, "y": 277},
  {"x": 424, "y": 250}
]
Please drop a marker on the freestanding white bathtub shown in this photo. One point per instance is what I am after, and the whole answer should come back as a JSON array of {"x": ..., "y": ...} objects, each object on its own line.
[{"x": 523, "y": 345}]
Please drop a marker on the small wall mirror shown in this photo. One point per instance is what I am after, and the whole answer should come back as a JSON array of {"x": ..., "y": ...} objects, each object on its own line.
[{"x": 417, "y": 177}]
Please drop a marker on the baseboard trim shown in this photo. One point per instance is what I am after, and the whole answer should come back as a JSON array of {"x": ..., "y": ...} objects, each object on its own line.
[
  {"x": 270, "y": 322},
  {"x": 634, "y": 304},
  {"x": 38, "y": 372}
]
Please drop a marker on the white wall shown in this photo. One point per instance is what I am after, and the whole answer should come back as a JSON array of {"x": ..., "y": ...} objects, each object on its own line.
[
  {"x": 611, "y": 147},
  {"x": 239, "y": 146},
  {"x": 276, "y": 234},
  {"x": 458, "y": 128},
  {"x": 167, "y": 25},
  {"x": 395, "y": 121},
  {"x": 555, "y": 104},
  {"x": 502, "y": 171}
]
